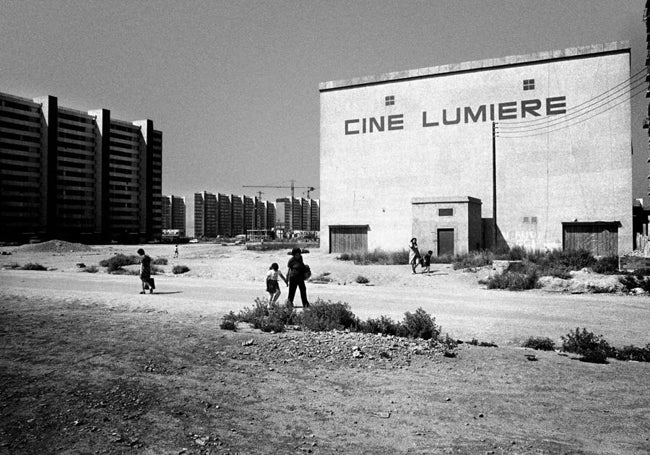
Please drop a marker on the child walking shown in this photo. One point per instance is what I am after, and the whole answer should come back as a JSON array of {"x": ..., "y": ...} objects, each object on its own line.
[
  {"x": 272, "y": 286},
  {"x": 426, "y": 262}
]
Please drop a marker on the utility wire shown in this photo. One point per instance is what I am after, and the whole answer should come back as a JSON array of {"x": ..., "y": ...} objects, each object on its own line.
[
  {"x": 556, "y": 122},
  {"x": 574, "y": 109},
  {"x": 514, "y": 135}
]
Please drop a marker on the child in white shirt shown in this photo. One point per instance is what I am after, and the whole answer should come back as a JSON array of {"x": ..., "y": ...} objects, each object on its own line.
[{"x": 272, "y": 286}]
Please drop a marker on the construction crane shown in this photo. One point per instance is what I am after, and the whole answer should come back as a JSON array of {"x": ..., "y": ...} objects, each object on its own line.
[{"x": 293, "y": 190}]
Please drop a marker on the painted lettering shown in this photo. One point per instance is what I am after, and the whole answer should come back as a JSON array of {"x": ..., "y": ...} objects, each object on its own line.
[
  {"x": 480, "y": 114},
  {"x": 530, "y": 107},
  {"x": 508, "y": 111},
  {"x": 379, "y": 125},
  {"x": 556, "y": 105},
  {"x": 450, "y": 122},
  {"x": 425, "y": 123},
  {"x": 396, "y": 122},
  {"x": 347, "y": 126}
]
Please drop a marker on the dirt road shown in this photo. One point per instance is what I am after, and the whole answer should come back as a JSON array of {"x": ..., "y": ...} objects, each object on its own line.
[{"x": 465, "y": 310}]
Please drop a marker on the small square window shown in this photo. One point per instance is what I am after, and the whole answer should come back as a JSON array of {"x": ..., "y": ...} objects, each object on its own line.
[
  {"x": 526, "y": 220},
  {"x": 533, "y": 220},
  {"x": 445, "y": 212},
  {"x": 390, "y": 100},
  {"x": 529, "y": 84}
]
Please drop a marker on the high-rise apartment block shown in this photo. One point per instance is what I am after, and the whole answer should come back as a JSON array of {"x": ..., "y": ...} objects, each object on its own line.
[
  {"x": 299, "y": 214},
  {"x": 230, "y": 215},
  {"x": 73, "y": 175},
  {"x": 173, "y": 214}
]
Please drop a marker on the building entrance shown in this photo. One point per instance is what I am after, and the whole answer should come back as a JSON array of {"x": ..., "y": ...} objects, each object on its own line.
[{"x": 445, "y": 242}]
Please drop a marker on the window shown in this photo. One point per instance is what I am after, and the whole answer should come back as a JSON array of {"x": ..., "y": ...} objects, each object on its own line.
[
  {"x": 529, "y": 84},
  {"x": 390, "y": 100},
  {"x": 445, "y": 212},
  {"x": 533, "y": 219},
  {"x": 526, "y": 219}
]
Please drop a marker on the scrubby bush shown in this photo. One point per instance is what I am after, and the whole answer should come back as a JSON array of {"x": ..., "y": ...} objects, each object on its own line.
[
  {"x": 323, "y": 316},
  {"x": 630, "y": 282},
  {"x": 159, "y": 261},
  {"x": 268, "y": 317},
  {"x": 590, "y": 347},
  {"x": 607, "y": 265},
  {"x": 473, "y": 260},
  {"x": 156, "y": 270},
  {"x": 362, "y": 279},
  {"x": 118, "y": 261},
  {"x": 229, "y": 322},
  {"x": 515, "y": 281},
  {"x": 633, "y": 353},
  {"x": 377, "y": 257},
  {"x": 539, "y": 343},
  {"x": 420, "y": 325},
  {"x": 179, "y": 269},
  {"x": 321, "y": 278},
  {"x": 91, "y": 269},
  {"x": 33, "y": 266},
  {"x": 444, "y": 259},
  {"x": 517, "y": 253},
  {"x": 383, "y": 325}
]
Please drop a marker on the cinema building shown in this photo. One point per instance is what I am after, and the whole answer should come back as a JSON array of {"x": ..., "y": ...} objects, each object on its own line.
[
  {"x": 73, "y": 175},
  {"x": 532, "y": 150}
]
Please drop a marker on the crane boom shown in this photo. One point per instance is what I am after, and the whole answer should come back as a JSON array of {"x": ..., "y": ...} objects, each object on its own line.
[{"x": 293, "y": 187}]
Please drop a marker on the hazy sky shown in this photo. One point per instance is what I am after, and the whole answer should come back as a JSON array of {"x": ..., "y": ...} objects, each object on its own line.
[{"x": 233, "y": 85}]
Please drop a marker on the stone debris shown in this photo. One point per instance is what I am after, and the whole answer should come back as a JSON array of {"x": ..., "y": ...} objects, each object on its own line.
[{"x": 335, "y": 347}]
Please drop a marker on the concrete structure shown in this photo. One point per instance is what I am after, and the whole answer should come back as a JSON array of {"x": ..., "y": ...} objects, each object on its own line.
[
  {"x": 174, "y": 213},
  {"x": 222, "y": 215},
  {"x": 448, "y": 226},
  {"x": 562, "y": 149},
  {"x": 80, "y": 176}
]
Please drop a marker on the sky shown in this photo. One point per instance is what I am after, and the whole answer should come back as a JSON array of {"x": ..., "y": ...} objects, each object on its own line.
[{"x": 233, "y": 85}]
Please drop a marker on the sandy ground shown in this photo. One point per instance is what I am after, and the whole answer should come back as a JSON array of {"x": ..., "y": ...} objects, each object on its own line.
[
  {"x": 229, "y": 278},
  {"x": 88, "y": 365}
]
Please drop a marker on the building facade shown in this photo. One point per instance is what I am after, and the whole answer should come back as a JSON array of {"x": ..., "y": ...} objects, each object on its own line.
[
  {"x": 541, "y": 143},
  {"x": 222, "y": 215},
  {"x": 174, "y": 214},
  {"x": 80, "y": 176}
]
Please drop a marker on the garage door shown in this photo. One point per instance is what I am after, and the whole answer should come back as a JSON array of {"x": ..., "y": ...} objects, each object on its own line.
[
  {"x": 349, "y": 239},
  {"x": 599, "y": 237}
]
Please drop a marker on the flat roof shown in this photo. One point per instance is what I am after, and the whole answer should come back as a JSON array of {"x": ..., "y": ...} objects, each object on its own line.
[{"x": 512, "y": 60}]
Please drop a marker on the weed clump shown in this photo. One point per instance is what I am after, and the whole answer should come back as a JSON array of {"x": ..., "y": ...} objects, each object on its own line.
[
  {"x": 159, "y": 261},
  {"x": 376, "y": 257},
  {"x": 362, "y": 280},
  {"x": 420, "y": 325},
  {"x": 540, "y": 343},
  {"x": 473, "y": 260},
  {"x": 382, "y": 325},
  {"x": 180, "y": 269},
  {"x": 33, "y": 266},
  {"x": 515, "y": 281},
  {"x": 590, "y": 347},
  {"x": 324, "y": 316},
  {"x": 115, "y": 263},
  {"x": 268, "y": 317},
  {"x": 229, "y": 322},
  {"x": 91, "y": 269}
]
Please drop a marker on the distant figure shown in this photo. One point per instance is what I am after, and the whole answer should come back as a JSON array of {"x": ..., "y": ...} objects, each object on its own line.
[
  {"x": 145, "y": 273},
  {"x": 296, "y": 276},
  {"x": 426, "y": 262},
  {"x": 176, "y": 252},
  {"x": 272, "y": 286},
  {"x": 414, "y": 254}
]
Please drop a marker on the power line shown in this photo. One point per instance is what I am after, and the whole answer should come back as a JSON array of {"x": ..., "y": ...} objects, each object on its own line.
[
  {"x": 514, "y": 134},
  {"x": 579, "y": 107}
]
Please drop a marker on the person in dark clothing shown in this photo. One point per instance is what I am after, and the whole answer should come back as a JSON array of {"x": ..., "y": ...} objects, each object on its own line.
[
  {"x": 145, "y": 272},
  {"x": 296, "y": 276}
]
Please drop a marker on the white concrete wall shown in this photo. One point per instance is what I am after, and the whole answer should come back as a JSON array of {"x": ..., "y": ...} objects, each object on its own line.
[{"x": 581, "y": 172}]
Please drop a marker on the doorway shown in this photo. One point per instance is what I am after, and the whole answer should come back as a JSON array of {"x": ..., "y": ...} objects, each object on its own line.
[{"x": 445, "y": 242}]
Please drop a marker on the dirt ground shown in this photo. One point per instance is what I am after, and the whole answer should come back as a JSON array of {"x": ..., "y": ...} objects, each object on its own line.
[{"x": 87, "y": 365}]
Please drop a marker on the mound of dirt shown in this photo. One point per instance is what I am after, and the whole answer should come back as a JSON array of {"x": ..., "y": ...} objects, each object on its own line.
[{"x": 55, "y": 246}]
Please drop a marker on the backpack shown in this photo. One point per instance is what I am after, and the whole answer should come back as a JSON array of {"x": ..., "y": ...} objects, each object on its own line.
[{"x": 307, "y": 272}]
